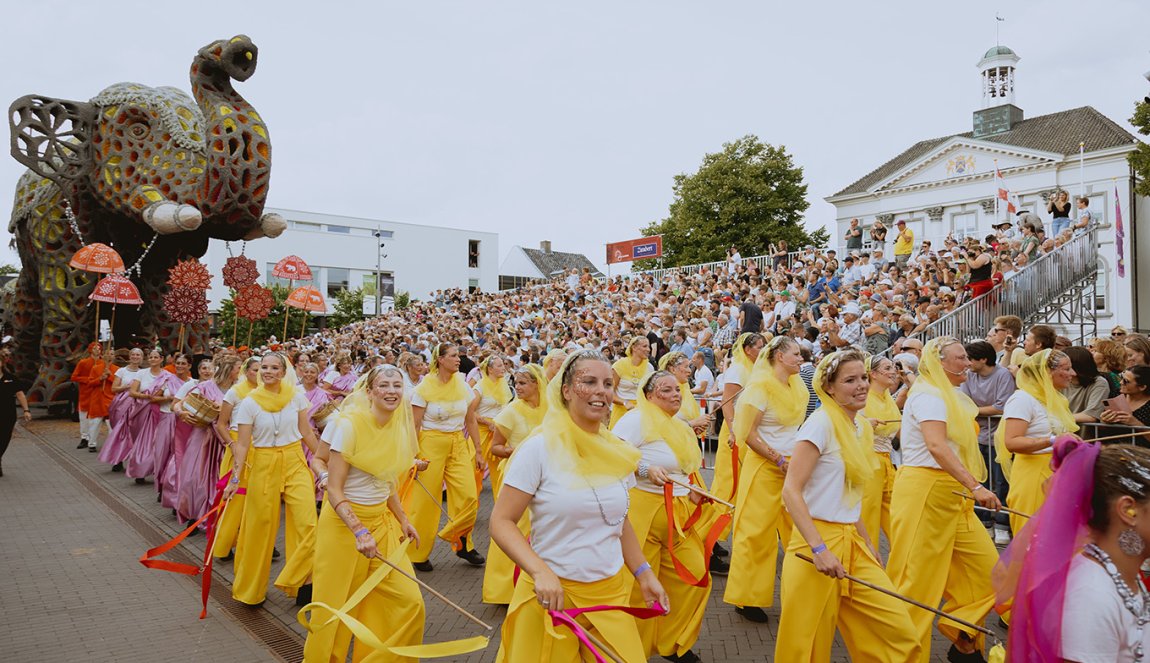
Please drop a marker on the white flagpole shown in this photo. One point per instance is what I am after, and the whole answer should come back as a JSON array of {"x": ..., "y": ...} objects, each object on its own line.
[
  {"x": 1081, "y": 170},
  {"x": 996, "y": 186}
]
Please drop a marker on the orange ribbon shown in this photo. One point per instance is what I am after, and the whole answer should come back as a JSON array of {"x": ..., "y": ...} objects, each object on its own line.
[{"x": 708, "y": 544}]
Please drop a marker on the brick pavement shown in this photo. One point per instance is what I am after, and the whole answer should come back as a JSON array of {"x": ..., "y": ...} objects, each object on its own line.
[{"x": 725, "y": 636}]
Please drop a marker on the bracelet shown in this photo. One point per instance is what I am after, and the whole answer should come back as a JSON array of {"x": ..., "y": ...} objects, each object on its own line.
[
  {"x": 821, "y": 548},
  {"x": 644, "y": 470},
  {"x": 782, "y": 459},
  {"x": 338, "y": 505},
  {"x": 361, "y": 532},
  {"x": 235, "y": 479},
  {"x": 645, "y": 566},
  {"x": 323, "y": 477}
]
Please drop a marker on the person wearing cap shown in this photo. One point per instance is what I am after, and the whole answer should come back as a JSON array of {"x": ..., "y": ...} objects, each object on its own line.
[
  {"x": 851, "y": 272},
  {"x": 850, "y": 332},
  {"x": 903, "y": 243},
  {"x": 784, "y": 309}
]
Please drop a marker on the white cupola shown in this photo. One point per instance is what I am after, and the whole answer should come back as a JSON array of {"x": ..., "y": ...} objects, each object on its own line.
[{"x": 998, "y": 113}]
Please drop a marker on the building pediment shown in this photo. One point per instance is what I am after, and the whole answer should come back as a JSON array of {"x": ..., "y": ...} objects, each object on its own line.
[{"x": 961, "y": 159}]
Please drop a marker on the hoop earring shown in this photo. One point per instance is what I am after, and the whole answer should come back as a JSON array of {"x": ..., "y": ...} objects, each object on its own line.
[{"x": 1131, "y": 543}]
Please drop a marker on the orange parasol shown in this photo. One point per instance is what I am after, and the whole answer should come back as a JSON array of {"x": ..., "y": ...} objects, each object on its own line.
[
  {"x": 114, "y": 289},
  {"x": 292, "y": 268},
  {"x": 307, "y": 298},
  {"x": 97, "y": 257}
]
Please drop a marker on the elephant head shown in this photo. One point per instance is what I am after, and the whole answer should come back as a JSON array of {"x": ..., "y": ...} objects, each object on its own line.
[{"x": 154, "y": 154}]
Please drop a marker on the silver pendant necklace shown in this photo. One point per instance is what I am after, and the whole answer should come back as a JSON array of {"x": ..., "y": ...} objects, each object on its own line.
[
  {"x": 1141, "y": 616},
  {"x": 603, "y": 513}
]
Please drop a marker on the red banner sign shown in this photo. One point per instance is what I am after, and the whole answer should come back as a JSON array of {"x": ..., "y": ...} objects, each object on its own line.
[{"x": 635, "y": 249}]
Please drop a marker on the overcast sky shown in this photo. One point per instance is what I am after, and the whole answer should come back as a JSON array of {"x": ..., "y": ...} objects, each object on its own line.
[{"x": 568, "y": 121}]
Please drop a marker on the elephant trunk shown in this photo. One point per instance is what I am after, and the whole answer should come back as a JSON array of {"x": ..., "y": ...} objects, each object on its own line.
[{"x": 238, "y": 146}]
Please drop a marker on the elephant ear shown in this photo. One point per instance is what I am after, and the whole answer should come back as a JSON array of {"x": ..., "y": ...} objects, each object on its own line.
[{"x": 52, "y": 137}]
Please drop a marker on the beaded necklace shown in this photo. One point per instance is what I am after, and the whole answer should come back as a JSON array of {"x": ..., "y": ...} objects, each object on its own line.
[
  {"x": 1141, "y": 616},
  {"x": 603, "y": 513}
]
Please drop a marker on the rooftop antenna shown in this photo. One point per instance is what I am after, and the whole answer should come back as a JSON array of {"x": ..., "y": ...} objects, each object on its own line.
[{"x": 998, "y": 21}]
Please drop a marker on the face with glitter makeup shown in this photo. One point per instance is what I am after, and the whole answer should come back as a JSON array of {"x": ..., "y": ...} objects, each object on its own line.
[{"x": 588, "y": 389}]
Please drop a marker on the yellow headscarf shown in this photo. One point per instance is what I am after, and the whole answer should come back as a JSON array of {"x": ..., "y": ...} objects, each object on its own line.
[
  {"x": 961, "y": 412},
  {"x": 555, "y": 355},
  {"x": 596, "y": 459},
  {"x": 1034, "y": 379},
  {"x": 383, "y": 451},
  {"x": 627, "y": 369},
  {"x": 856, "y": 442},
  {"x": 434, "y": 390},
  {"x": 518, "y": 420},
  {"x": 764, "y": 390},
  {"x": 270, "y": 401},
  {"x": 242, "y": 386},
  {"x": 658, "y": 425},
  {"x": 690, "y": 407},
  {"x": 881, "y": 406},
  {"x": 739, "y": 354},
  {"x": 497, "y": 390}
]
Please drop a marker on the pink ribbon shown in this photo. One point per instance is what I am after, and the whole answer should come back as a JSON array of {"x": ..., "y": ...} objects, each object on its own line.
[{"x": 567, "y": 618}]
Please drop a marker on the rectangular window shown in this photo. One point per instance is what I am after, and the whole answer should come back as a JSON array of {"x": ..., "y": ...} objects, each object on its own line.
[
  {"x": 383, "y": 234},
  {"x": 338, "y": 279},
  {"x": 386, "y": 284},
  {"x": 342, "y": 230},
  {"x": 472, "y": 285},
  {"x": 964, "y": 225},
  {"x": 512, "y": 282},
  {"x": 305, "y": 225},
  {"x": 275, "y": 280},
  {"x": 473, "y": 253}
]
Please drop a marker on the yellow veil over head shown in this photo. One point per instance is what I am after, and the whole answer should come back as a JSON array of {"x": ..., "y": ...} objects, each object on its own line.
[
  {"x": 961, "y": 412},
  {"x": 658, "y": 425},
  {"x": 268, "y": 400},
  {"x": 764, "y": 390},
  {"x": 386, "y": 450},
  {"x": 856, "y": 442}
]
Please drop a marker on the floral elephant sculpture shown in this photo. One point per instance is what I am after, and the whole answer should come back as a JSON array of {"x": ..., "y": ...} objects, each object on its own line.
[{"x": 150, "y": 172}]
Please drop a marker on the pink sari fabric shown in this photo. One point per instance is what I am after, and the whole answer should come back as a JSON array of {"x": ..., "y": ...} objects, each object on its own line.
[
  {"x": 200, "y": 467},
  {"x": 1030, "y": 577},
  {"x": 168, "y": 480},
  {"x": 318, "y": 398},
  {"x": 152, "y": 430},
  {"x": 125, "y": 411},
  {"x": 344, "y": 382}
]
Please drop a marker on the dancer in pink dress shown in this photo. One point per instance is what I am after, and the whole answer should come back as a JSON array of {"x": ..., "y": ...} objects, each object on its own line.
[
  {"x": 309, "y": 380},
  {"x": 124, "y": 405},
  {"x": 339, "y": 384},
  {"x": 204, "y": 449},
  {"x": 149, "y": 424},
  {"x": 166, "y": 438}
]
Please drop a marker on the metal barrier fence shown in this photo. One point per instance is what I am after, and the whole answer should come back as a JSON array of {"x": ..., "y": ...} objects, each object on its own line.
[{"x": 762, "y": 262}]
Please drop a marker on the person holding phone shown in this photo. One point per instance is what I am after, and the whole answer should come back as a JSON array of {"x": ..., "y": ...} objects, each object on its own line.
[{"x": 1134, "y": 385}]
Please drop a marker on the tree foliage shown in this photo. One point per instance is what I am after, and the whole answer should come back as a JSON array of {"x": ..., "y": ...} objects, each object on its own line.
[
  {"x": 749, "y": 194},
  {"x": 348, "y": 308},
  {"x": 1140, "y": 157},
  {"x": 273, "y": 325}
]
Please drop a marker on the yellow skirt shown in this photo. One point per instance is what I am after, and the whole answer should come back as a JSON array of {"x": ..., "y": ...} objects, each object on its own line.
[
  {"x": 760, "y": 523},
  {"x": 275, "y": 474},
  {"x": 451, "y": 459},
  {"x": 676, "y": 632},
  {"x": 876, "y": 628},
  {"x": 394, "y": 610},
  {"x": 876, "y": 500},
  {"x": 1028, "y": 478},
  {"x": 528, "y": 638},
  {"x": 939, "y": 550},
  {"x": 229, "y": 526}
]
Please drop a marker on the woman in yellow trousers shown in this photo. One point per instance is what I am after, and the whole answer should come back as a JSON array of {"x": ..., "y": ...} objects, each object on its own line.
[
  {"x": 575, "y": 478},
  {"x": 1031, "y": 418},
  {"x": 494, "y": 394},
  {"x": 444, "y": 406},
  {"x": 228, "y": 527},
  {"x": 669, "y": 451},
  {"x": 373, "y": 445},
  {"x": 512, "y": 425},
  {"x": 885, "y": 418},
  {"x": 272, "y": 420},
  {"x": 829, "y": 469},
  {"x": 627, "y": 372},
  {"x": 938, "y": 548},
  {"x": 769, "y": 414},
  {"x": 744, "y": 353}
]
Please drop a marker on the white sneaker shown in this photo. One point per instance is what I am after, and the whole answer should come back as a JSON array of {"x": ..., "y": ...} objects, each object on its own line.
[{"x": 1001, "y": 536}]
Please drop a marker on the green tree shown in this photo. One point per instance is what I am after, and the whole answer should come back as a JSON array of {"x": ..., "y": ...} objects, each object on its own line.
[
  {"x": 1140, "y": 157},
  {"x": 9, "y": 269},
  {"x": 402, "y": 300},
  {"x": 750, "y": 194},
  {"x": 261, "y": 330},
  {"x": 348, "y": 308}
]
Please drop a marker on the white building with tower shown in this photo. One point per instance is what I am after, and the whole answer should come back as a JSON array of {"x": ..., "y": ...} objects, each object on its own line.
[
  {"x": 946, "y": 185},
  {"x": 346, "y": 253}
]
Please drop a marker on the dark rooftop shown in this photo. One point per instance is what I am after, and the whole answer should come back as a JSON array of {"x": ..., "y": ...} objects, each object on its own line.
[{"x": 550, "y": 262}]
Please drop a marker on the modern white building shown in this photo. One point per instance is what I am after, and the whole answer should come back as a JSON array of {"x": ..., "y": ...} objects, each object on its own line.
[
  {"x": 946, "y": 186},
  {"x": 343, "y": 253}
]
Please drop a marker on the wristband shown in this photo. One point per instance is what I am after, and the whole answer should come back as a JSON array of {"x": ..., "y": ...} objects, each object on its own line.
[
  {"x": 323, "y": 476},
  {"x": 644, "y": 470},
  {"x": 642, "y": 567},
  {"x": 821, "y": 548},
  {"x": 235, "y": 479},
  {"x": 361, "y": 532},
  {"x": 782, "y": 459}
]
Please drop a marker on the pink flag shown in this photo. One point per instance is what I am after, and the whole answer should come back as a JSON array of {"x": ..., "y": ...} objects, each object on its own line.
[
  {"x": 1119, "y": 235},
  {"x": 1004, "y": 193}
]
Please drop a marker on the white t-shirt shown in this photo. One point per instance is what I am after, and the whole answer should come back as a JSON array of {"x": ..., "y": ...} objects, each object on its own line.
[
  {"x": 827, "y": 484},
  {"x": 567, "y": 529},
  {"x": 273, "y": 429},
  {"x": 658, "y": 453},
  {"x": 488, "y": 407},
  {"x": 359, "y": 487},
  {"x": 781, "y": 438},
  {"x": 167, "y": 407},
  {"x": 1096, "y": 626},
  {"x": 146, "y": 378},
  {"x": 446, "y": 417},
  {"x": 231, "y": 397},
  {"x": 1022, "y": 405},
  {"x": 184, "y": 390},
  {"x": 127, "y": 375},
  {"x": 921, "y": 407},
  {"x": 704, "y": 375}
]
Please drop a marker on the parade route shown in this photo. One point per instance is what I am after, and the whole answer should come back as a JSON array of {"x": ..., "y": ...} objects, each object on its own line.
[{"x": 75, "y": 590}]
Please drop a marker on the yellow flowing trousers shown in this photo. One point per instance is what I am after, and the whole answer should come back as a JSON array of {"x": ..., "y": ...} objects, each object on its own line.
[
  {"x": 451, "y": 458},
  {"x": 939, "y": 552},
  {"x": 394, "y": 610},
  {"x": 275, "y": 473},
  {"x": 1027, "y": 493},
  {"x": 876, "y": 628},
  {"x": 528, "y": 637},
  {"x": 674, "y": 633},
  {"x": 876, "y": 500},
  {"x": 760, "y": 523},
  {"x": 228, "y": 528},
  {"x": 499, "y": 572}
]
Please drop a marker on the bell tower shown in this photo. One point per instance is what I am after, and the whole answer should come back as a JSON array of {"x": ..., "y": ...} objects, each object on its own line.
[{"x": 998, "y": 113}]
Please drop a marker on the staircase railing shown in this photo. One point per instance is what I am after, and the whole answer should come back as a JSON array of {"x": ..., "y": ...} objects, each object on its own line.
[{"x": 1027, "y": 294}]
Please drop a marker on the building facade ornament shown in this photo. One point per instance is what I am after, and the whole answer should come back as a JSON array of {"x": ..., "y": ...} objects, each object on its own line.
[
  {"x": 885, "y": 218},
  {"x": 987, "y": 205},
  {"x": 935, "y": 213}
]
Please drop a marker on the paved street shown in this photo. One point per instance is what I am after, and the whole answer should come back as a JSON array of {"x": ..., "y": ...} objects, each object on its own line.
[{"x": 74, "y": 590}]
